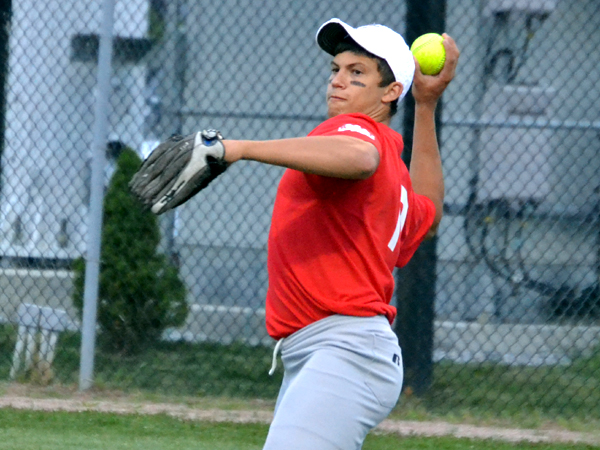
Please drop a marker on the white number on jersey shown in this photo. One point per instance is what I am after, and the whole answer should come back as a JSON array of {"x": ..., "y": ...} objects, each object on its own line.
[{"x": 401, "y": 219}]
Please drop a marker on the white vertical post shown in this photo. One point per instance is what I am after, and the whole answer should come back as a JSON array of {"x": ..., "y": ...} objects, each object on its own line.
[{"x": 92, "y": 268}]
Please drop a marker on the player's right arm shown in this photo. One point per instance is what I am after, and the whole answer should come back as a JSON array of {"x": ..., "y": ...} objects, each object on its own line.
[
  {"x": 331, "y": 156},
  {"x": 426, "y": 165}
]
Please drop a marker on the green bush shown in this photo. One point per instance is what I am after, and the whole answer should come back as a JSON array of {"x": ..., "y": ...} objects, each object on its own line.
[{"x": 140, "y": 293}]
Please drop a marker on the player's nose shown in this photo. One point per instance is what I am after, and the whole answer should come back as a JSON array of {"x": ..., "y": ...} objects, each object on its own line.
[{"x": 338, "y": 79}]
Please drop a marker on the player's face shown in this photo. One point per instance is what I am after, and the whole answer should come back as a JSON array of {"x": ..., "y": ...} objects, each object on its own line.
[{"x": 354, "y": 86}]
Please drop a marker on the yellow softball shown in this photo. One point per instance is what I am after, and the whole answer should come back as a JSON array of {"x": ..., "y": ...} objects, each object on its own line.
[{"x": 430, "y": 53}]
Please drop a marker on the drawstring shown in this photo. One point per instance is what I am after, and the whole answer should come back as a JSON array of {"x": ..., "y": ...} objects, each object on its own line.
[{"x": 274, "y": 363}]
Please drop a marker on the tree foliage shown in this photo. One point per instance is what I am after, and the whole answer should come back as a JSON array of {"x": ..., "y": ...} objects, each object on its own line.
[{"x": 140, "y": 293}]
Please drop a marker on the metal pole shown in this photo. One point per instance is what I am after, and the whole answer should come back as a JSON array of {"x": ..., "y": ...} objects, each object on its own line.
[
  {"x": 92, "y": 268},
  {"x": 5, "y": 17},
  {"x": 180, "y": 66},
  {"x": 415, "y": 293}
]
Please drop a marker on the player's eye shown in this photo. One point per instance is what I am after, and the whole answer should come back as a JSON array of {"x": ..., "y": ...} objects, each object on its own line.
[{"x": 334, "y": 71}]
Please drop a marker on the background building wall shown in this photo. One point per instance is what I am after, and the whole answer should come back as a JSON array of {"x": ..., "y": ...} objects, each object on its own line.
[
  {"x": 555, "y": 158},
  {"x": 49, "y": 118}
]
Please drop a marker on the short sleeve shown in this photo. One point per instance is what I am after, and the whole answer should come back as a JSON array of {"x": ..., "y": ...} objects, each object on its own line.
[
  {"x": 357, "y": 126},
  {"x": 421, "y": 213}
]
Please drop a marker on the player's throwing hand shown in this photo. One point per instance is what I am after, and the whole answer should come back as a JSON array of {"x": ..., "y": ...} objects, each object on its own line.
[{"x": 429, "y": 88}]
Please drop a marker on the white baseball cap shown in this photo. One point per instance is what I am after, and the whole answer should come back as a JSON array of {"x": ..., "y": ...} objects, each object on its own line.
[{"x": 376, "y": 39}]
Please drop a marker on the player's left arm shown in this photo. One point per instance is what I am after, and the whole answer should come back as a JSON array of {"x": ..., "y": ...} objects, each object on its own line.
[{"x": 426, "y": 164}]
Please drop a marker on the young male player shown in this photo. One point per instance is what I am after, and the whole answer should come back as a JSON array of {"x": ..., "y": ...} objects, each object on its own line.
[{"x": 347, "y": 212}]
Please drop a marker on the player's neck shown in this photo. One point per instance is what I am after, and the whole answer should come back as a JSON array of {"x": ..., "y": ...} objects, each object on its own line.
[{"x": 381, "y": 115}]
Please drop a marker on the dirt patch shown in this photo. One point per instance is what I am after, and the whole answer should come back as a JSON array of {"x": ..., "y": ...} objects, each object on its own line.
[
  {"x": 124, "y": 405},
  {"x": 407, "y": 428}
]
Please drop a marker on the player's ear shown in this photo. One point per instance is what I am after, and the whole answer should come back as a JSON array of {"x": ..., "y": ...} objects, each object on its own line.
[{"x": 393, "y": 91}]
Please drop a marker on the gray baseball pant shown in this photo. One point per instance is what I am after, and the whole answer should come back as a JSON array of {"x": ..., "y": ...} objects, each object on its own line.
[{"x": 343, "y": 375}]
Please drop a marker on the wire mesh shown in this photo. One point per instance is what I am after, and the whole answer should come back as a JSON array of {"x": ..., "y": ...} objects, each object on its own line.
[{"x": 517, "y": 289}]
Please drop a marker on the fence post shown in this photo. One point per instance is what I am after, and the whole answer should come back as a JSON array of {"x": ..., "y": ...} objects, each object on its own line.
[
  {"x": 5, "y": 18},
  {"x": 415, "y": 294},
  {"x": 92, "y": 268}
]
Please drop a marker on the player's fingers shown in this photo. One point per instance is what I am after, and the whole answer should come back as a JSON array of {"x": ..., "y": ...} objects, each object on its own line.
[
  {"x": 452, "y": 55},
  {"x": 452, "y": 51},
  {"x": 418, "y": 74},
  {"x": 417, "y": 65},
  {"x": 418, "y": 79}
]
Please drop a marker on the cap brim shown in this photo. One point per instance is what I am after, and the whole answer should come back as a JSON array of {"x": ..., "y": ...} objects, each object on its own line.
[{"x": 332, "y": 33}]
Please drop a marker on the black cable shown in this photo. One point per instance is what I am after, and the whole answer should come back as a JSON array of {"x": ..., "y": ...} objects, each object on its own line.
[{"x": 562, "y": 300}]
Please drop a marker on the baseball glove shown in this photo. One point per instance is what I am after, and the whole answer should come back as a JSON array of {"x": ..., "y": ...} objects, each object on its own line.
[{"x": 178, "y": 169}]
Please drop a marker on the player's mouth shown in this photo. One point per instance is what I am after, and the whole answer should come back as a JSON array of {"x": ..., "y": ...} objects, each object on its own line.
[{"x": 335, "y": 98}]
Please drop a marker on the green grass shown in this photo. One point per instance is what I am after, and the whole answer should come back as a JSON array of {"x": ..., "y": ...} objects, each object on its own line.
[
  {"x": 27, "y": 430},
  {"x": 529, "y": 395},
  {"x": 169, "y": 368},
  {"x": 568, "y": 396},
  {"x": 24, "y": 430}
]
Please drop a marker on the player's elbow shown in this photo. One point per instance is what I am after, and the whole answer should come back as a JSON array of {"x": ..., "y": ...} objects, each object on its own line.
[
  {"x": 366, "y": 160},
  {"x": 436, "y": 223}
]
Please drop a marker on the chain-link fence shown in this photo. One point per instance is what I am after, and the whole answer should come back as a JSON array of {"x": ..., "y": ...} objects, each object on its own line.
[{"x": 513, "y": 277}]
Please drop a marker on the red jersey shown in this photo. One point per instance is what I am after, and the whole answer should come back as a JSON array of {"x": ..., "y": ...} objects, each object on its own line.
[{"x": 333, "y": 242}]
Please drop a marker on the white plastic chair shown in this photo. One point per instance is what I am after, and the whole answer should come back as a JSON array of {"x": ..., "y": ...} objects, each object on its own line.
[{"x": 39, "y": 327}]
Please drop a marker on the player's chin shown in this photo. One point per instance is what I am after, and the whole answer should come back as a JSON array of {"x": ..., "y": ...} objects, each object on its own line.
[{"x": 334, "y": 110}]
